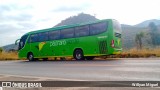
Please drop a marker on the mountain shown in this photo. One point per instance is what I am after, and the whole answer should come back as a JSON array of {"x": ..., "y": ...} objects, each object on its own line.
[
  {"x": 10, "y": 47},
  {"x": 125, "y": 25},
  {"x": 146, "y": 23},
  {"x": 80, "y": 18}
]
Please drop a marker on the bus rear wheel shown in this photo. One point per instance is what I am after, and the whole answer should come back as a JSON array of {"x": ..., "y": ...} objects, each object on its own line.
[{"x": 78, "y": 54}]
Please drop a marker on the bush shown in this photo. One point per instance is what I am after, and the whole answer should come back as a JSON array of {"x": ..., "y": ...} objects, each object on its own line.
[
  {"x": 1, "y": 49},
  {"x": 8, "y": 56}
]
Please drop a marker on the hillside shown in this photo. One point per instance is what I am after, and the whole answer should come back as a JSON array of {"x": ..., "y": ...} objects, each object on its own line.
[
  {"x": 10, "y": 47},
  {"x": 146, "y": 23},
  {"x": 128, "y": 35},
  {"x": 80, "y": 18}
]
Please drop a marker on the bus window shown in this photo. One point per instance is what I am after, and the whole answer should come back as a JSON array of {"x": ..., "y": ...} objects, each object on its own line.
[
  {"x": 34, "y": 38},
  {"x": 22, "y": 42},
  {"x": 117, "y": 29},
  {"x": 82, "y": 31},
  {"x": 67, "y": 33},
  {"x": 43, "y": 36},
  {"x": 98, "y": 28},
  {"x": 53, "y": 35}
]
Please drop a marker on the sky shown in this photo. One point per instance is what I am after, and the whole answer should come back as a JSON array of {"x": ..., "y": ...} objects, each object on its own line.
[{"x": 18, "y": 17}]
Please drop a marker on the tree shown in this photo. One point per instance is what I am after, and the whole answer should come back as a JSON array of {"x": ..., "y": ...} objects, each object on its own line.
[
  {"x": 153, "y": 33},
  {"x": 138, "y": 40}
]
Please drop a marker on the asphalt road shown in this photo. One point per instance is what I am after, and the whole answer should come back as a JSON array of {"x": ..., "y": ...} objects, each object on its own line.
[
  {"x": 147, "y": 69},
  {"x": 109, "y": 70}
]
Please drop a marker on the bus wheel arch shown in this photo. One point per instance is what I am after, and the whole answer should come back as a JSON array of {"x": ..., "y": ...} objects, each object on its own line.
[
  {"x": 30, "y": 56},
  {"x": 78, "y": 54}
]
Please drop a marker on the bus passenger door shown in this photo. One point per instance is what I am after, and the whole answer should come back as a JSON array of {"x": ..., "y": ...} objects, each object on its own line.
[
  {"x": 34, "y": 45},
  {"x": 44, "y": 48},
  {"x": 34, "y": 49}
]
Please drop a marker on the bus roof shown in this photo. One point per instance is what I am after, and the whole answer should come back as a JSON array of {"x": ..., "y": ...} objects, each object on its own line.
[{"x": 67, "y": 26}]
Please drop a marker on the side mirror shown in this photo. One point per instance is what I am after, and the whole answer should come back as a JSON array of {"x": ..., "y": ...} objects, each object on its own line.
[{"x": 17, "y": 41}]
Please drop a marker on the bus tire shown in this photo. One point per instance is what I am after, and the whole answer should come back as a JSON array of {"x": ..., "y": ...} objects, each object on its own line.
[
  {"x": 30, "y": 57},
  {"x": 45, "y": 59},
  {"x": 78, "y": 54},
  {"x": 89, "y": 57}
]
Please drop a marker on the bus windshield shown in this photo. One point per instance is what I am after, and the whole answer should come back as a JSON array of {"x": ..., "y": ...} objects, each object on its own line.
[{"x": 22, "y": 42}]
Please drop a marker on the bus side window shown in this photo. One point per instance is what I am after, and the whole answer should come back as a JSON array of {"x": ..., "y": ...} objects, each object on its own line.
[
  {"x": 34, "y": 38},
  {"x": 98, "y": 28},
  {"x": 82, "y": 31},
  {"x": 67, "y": 33},
  {"x": 53, "y": 35},
  {"x": 43, "y": 36}
]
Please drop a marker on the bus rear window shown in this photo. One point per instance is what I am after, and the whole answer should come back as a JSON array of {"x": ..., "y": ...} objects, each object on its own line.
[{"x": 117, "y": 27}]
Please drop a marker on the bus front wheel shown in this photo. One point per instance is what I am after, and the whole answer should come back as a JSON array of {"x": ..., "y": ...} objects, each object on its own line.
[
  {"x": 30, "y": 57},
  {"x": 78, "y": 54}
]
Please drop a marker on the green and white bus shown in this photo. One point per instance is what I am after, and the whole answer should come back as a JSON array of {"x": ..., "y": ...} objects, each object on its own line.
[{"x": 81, "y": 41}]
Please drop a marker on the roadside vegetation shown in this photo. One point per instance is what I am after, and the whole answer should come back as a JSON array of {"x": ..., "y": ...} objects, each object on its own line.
[
  {"x": 8, "y": 56},
  {"x": 1, "y": 50},
  {"x": 142, "y": 53}
]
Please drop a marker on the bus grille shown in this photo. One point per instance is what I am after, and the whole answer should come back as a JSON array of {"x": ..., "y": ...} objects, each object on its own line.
[{"x": 103, "y": 47}]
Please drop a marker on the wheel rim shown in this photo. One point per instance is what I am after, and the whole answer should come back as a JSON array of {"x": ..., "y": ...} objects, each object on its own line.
[
  {"x": 30, "y": 57},
  {"x": 78, "y": 56}
]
